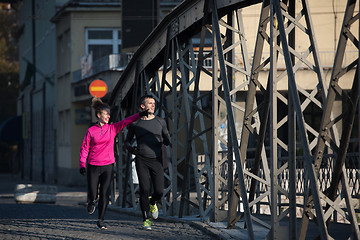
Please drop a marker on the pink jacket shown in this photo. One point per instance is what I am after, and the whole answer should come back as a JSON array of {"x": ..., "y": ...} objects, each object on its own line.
[{"x": 98, "y": 143}]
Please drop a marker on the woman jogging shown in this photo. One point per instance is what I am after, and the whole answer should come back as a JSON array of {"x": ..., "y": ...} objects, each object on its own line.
[{"x": 97, "y": 150}]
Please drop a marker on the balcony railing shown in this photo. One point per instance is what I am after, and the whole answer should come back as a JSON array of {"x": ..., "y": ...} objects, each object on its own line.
[{"x": 113, "y": 62}]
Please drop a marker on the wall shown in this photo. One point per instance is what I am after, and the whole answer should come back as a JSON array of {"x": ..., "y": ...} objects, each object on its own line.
[
  {"x": 73, "y": 26},
  {"x": 36, "y": 100}
]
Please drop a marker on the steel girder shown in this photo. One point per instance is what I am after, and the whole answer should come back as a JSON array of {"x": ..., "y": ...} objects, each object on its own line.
[
  {"x": 222, "y": 80},
  {"x": 279, "y": 145},
  {"x": 334, "y": 193},
  {"x": 195, "y": 162},
  {"x": 279, "y": 44},
  {"x": 294, "y": 92},
  {"x": 217, "y": 184}
]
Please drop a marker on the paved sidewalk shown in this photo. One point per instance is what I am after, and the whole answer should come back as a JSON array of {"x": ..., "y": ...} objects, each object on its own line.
[
  {"x": 68, "y": 219},
  {"x": 73, "y": 200}
]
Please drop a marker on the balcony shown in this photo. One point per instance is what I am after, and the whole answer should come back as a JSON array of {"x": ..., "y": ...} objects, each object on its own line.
[{"x": 112, "y": 62}]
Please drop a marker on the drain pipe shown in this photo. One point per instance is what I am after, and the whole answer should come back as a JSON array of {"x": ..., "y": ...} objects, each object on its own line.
[
  {"x": 33, "y": 86},
  {"x": 43, "y": 132}
]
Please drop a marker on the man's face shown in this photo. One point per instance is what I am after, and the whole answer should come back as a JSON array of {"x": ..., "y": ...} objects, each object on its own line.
[{"x": 149, "y": 103}]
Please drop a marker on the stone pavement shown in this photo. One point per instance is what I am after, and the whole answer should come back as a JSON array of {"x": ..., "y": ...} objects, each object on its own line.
[{"x": 68, "y": 219}]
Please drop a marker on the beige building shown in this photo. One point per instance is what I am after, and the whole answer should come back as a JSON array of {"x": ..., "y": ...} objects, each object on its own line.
[{"x": 74, "y": 28}]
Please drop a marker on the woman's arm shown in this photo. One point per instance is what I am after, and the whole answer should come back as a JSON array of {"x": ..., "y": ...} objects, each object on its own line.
[
  {"x": 84, "y": 150},
  {"x": 118, "y": 126}
]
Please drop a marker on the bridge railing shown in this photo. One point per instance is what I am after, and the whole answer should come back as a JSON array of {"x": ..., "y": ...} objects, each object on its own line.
[{"x": 352, "y": 165}]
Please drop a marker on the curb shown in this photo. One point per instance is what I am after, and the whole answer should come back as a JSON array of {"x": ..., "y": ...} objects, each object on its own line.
[
  {"x": 205, "y": 227},
  {"x": 29, "y": 193}
]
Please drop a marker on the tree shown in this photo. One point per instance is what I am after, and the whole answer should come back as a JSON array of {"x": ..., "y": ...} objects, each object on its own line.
[{"x": 9, "y": 65}]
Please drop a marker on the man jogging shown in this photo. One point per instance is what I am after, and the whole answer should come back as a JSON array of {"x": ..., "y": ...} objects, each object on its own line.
[{"x": 151, "y": 133}]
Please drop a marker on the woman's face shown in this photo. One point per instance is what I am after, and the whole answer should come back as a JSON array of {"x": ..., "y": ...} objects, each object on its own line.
[{"x": 104, "y": 116}]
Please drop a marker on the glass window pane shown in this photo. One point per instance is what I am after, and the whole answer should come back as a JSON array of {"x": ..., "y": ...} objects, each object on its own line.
[
  {"x": 100, "y": 34},
  {"x": 100, "y": 51},
  {"x": 119, "y": 34}
]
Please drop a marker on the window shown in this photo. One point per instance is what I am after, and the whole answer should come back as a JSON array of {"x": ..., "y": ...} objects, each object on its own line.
[
  {"x": 102, "y": 41},
  {"x": 64, "y": 127},
  {"x": 63, "y": 49}
]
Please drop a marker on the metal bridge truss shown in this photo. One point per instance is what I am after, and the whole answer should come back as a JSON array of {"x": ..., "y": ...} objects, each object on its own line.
[{"x": 211, "y": 172}]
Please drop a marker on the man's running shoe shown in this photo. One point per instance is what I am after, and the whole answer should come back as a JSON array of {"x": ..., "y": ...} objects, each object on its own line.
[
  {"x": 147, "y": 225},
  {"x": 91, "y": 207},
  {"x": 154, "y": 212},
  {"x": 101, "y": 224}
]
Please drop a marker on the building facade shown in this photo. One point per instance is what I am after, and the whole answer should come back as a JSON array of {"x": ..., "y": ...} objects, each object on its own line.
[
  {"x": 64, "y": 46},
  {"x": 36, "y": 101}
]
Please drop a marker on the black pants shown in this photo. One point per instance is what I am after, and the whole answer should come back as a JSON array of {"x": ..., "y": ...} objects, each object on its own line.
[
  {"x": 150, "y": 173},
  {"x": 99, "y": 179}
]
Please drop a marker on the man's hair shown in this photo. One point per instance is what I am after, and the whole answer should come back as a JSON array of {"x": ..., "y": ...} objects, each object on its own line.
[
  {"x": 142, "y": 99},
  {"x": 98, "y": 105}
]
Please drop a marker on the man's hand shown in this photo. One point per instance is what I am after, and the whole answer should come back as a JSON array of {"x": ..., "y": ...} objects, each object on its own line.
[
  {"x": 82, "y": 171},
  {"x": 134, "y": 150},
  {"x": 131, "y": 149}
]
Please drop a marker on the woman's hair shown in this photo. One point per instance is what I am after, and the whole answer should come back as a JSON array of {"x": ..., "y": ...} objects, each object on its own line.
[{"x": 98, "y": 105}]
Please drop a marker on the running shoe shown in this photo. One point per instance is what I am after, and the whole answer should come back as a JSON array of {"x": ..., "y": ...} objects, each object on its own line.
[
  {"x": 91, "y": 207},
  {"x": 147, "y": 225},
  {"x": 101, "y": 224},
  {"x": 154, "y": 212}
]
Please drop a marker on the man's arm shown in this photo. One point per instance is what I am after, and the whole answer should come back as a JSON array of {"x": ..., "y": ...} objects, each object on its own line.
[
  {"x": 129, "y": 137},
  {"x": 130, "y": 134},
  {"x": 165, "y": 134}
]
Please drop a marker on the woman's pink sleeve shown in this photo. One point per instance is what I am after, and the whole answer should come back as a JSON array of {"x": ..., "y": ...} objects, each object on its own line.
[
  {"x": 123, "y": 123},
  {"x": 84, "y": 150}
]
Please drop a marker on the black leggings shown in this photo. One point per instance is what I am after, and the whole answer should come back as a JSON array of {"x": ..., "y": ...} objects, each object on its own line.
[
  {"x": 99, "y": 178},
  {"x": 149, "y": 171}
]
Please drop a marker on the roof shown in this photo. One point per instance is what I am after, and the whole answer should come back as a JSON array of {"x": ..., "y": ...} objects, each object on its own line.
[{"x": 89, "y": 5}]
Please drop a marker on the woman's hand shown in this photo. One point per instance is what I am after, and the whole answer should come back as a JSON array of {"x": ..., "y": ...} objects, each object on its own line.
[
  {"x": 82, "y": 171},
  {"x": 144, "y": 113}
]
